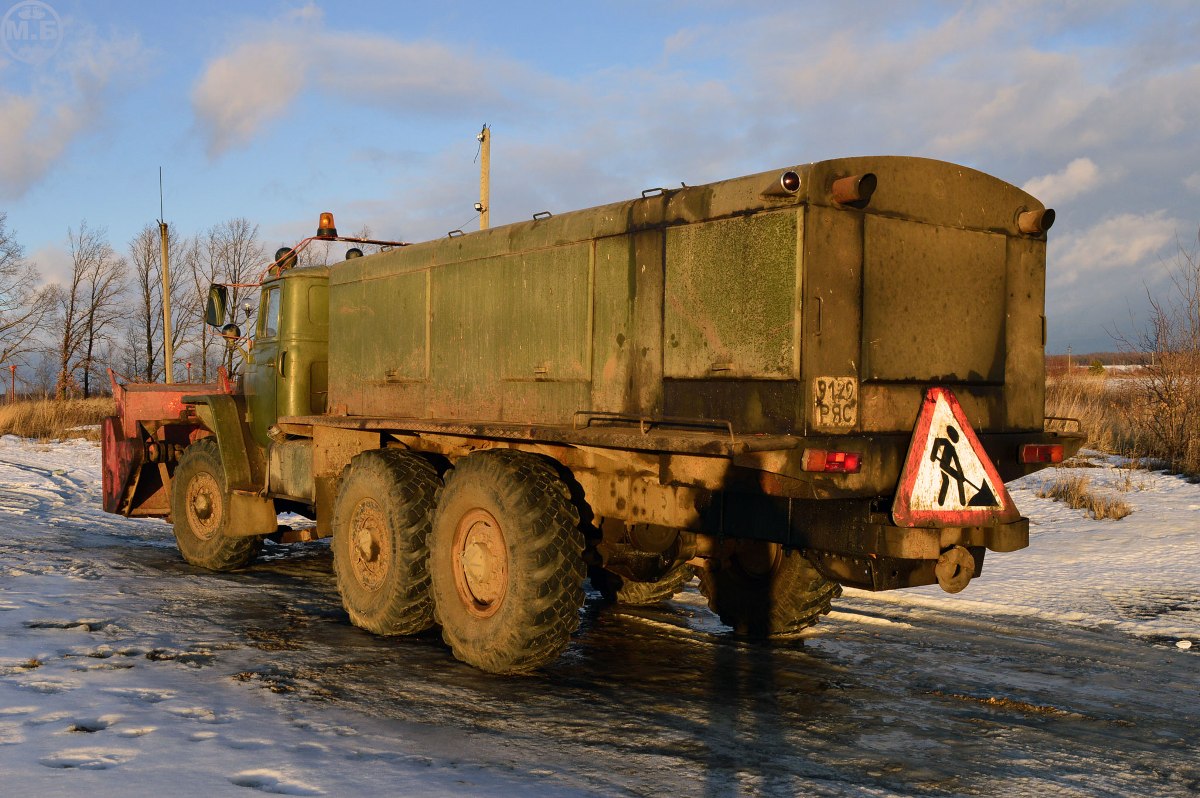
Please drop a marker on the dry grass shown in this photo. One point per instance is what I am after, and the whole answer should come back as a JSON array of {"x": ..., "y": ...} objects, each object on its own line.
[
  {"x": 1147, "y": 418},
  {"x": 1076, "y": 492},
  {"x": 50, "y": 419},
  {"x": 1100, "y": 404}
]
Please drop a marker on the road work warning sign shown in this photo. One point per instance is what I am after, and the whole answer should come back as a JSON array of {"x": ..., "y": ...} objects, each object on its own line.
[{"x": 948, "y": 479}]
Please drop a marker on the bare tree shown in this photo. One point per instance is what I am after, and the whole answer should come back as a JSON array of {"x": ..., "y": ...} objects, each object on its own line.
[
  {"x": 86, "y": 306},
  {"x": 23, "y": 305},
  {"x": 235, "y": 250},
  {"x": 145, "y": 251},
  {"x": 1166, "y": 410},
  {"x": 206, "y": 268}
]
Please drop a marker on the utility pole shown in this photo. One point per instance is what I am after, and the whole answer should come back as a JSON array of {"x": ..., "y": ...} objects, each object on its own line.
[
  {"x": 1068, "y": 361},
  {"x": 168, "y": 349},
  {"x": 485, "y": 169}
]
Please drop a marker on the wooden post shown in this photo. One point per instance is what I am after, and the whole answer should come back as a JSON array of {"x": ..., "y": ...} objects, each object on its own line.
[
  {"x": 485, "y": 169},
  {"x": 168, "y": 353},
  {"x": 12, "y": 370}
]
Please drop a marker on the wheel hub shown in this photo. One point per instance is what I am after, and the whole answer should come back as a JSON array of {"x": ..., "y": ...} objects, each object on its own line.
[
  {"x": 203, "y": 505},
  {"x": 370, "y": 556},
  {"x": 480, "y": 562},
  {"x": 758, "y": 560}
]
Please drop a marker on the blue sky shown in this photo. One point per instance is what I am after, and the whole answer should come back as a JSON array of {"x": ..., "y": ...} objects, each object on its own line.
[{"x": 277, "y": 111}]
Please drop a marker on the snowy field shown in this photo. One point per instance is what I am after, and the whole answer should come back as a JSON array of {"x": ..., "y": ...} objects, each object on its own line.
[{"x": 1070, "y": 668}]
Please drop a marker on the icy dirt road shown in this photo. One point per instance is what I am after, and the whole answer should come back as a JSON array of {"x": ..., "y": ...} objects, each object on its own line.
[{"x": 123, "y": 671}]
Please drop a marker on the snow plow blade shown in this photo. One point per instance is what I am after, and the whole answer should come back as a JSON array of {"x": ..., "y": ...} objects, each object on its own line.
[{"x": 141, "y": 443}]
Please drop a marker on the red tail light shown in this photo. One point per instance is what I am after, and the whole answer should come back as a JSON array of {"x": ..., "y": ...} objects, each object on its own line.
[
  {"x": 832, "y": 462},
  {"x": 1041, "y": 453}
]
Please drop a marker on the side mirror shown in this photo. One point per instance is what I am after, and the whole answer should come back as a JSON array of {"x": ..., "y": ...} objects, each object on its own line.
[
  {"x": 218, "y": 298},
  {"x": 231, "y": 333}
]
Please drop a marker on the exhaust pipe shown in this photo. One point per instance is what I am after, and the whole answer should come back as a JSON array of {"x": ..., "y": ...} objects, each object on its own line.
[
  {"x": 1035, "y": 223},
  {"x": 855, "y": 190}
]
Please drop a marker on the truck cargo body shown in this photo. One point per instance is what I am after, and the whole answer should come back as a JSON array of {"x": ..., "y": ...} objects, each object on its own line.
[{"x": 711, "y": 372}]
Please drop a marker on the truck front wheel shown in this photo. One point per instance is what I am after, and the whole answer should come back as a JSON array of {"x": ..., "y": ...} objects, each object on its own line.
[
  {"x": 200, "y": 512},
  {"x": 763, "y": 591},
  {"x": 380, "y": 541},
  {"x": 506, "y": 560}
]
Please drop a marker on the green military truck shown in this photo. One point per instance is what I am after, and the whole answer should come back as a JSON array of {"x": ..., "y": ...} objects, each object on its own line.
[{"x": 781, "y": 383}]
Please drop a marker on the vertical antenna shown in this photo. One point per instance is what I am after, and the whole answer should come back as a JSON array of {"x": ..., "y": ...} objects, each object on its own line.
[{"x": 168, "y": 347}]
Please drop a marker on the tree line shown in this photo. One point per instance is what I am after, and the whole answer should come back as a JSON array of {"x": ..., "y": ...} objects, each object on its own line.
[{"x": 107, "y": 311}]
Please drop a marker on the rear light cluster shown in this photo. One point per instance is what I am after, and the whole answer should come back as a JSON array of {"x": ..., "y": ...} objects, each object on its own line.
[
  {"x": 1042, "y": 453},
  {"x": 832, "y": 462}
]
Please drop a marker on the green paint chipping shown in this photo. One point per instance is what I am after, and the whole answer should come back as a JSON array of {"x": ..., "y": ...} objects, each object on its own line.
[{"x": 731, "y": 297}]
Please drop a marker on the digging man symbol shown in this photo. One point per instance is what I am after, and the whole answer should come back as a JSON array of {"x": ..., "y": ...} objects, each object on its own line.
[{"x": 946, "y": 456}]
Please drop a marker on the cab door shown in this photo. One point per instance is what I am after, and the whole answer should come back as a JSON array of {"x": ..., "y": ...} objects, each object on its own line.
[{"x": 262, "y": 376}]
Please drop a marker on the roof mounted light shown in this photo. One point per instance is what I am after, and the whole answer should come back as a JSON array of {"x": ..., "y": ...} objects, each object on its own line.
[
  {"x": 787, "y": 184},
  {"x": 325, "y": 227},
  {"x": 285, "y": 258}
]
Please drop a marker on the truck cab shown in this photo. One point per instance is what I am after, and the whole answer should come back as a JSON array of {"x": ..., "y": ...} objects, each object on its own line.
[{"x": 287, "y": 370}]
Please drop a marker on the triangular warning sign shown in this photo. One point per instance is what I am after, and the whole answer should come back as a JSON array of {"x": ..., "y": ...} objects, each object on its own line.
[{"x": 948, "y": 479}]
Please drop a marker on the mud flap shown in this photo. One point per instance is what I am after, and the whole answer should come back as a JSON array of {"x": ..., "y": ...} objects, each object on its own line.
[{"x": 251, "y": 514}]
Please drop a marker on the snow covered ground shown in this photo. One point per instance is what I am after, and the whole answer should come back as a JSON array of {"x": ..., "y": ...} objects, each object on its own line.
[{"x": 1064, "y": 670}]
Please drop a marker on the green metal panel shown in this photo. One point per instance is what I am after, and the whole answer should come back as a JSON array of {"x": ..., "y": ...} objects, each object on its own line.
[
  {"x": 731, "y": 298},
  {"x": 548, "y": 314},
  {"x": 933, "y": 303},
  {"x": 613, "y": 345}
]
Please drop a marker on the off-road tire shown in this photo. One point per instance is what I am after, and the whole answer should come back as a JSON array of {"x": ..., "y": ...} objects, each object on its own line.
[
  {"x": 618, "y": 590},
  {"x": 506, "y": 561},
  {"x": 200, "y": 500},
  {"x": 384, "y": 503},
  {"x": 785, "y": 599}
]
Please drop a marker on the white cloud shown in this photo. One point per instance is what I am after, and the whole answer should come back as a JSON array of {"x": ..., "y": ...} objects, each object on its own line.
[
  {"x": 66, "y": 102},
  {"x": 242, "y": 92},
  {"x": 1192, "y": 182},
  {"x": 1078, "y": 177},
  {"x": 53, "y": 262},
  {"x": 1116, "y": 243}
]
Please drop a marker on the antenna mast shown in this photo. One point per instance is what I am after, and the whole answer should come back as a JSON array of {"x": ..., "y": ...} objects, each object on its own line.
[{"x": 168, "y": 347}]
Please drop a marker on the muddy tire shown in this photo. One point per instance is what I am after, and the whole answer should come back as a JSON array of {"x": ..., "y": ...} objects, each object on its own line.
[
  {"x": 618, "y": 590},
  {"x": 381, "y": 519},
  {"x": 200, "y": 512},
  {"x": 763, "y": 591},
  {"x": 506, "y": 560}
]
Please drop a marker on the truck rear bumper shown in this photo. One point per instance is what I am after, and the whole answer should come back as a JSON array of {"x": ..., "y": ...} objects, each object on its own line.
[{"x": 893, "y": 557}]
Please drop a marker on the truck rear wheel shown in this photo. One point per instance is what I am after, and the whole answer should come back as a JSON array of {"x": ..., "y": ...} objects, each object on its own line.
[
  {"x": 619, "y": 590},
  {"x": 380, "y": 546},
  {"x": 763, "y": 591},
  {"x": 506, "y": 560},
  {"x": 200, "y": 512}
]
